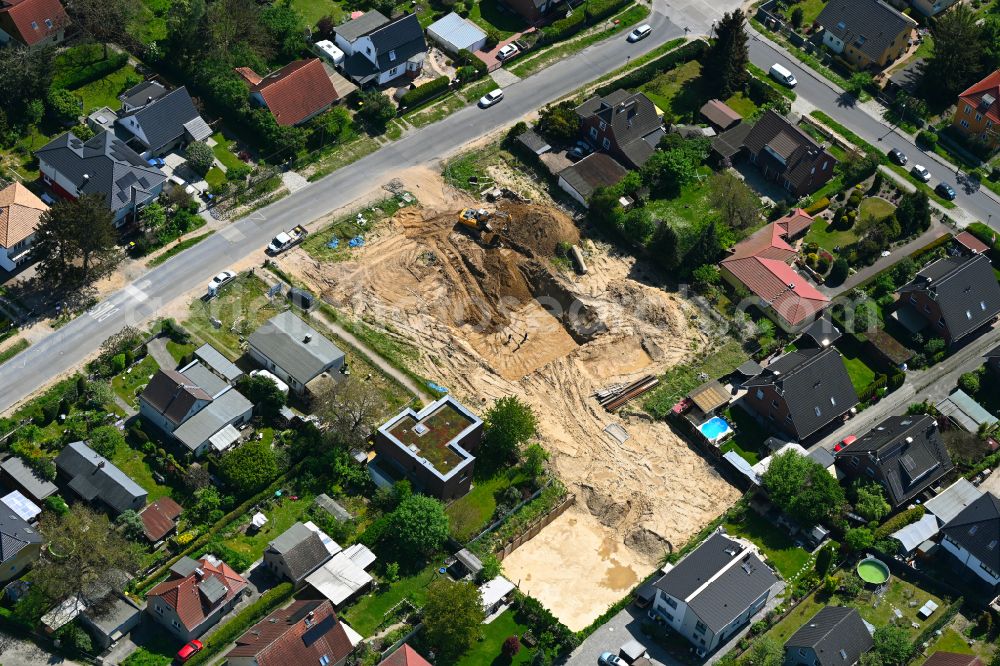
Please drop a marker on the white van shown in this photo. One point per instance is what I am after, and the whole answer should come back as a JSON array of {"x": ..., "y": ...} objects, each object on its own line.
[{"x": 782, "y": 75}]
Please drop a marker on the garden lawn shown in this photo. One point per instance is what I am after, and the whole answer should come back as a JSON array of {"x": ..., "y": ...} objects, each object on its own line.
[
  {"x": 104, "y": 92},
  {"x": 179, "y": 351},
  {"x": 312, "y": 11},
  {"x": 127, "y": 383},
  {"x": 241, "y": 305},
  {"x": 366, "y": 615},
  {"x": 223, "y": 151},
  {"x": 748, "y": 438},
  {"x": 279, "y": 519},
  {"x": 776, "y": 545},
  {"x": 682, "y": 91},
  {"x": 215, "y": 178},
  {"x": 823, "y": 233},
  {"x": 133, "y": 464},
  {"x": 861, "y": 375},
  {"x": 473, "y": 511},
  {"x": 490, "y": 14},
  {"x": 690, "y": 209},
  {"x": 952, "y": 641},
  {"x": 159, "y": 651},
  {"x": 810, "y": 10},
  {"x": 876, "y": 207},
  {"x": 487, "y": 651}
]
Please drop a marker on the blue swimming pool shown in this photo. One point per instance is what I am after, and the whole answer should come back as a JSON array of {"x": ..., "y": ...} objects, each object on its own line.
[{"x": 715, "y": 429}]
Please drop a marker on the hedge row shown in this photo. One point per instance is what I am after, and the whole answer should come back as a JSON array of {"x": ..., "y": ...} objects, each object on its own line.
[
  {"x": 634, "y": 79},
  {"x": 74, "y": 77},
  {"x": 564, "y": 28},
  {"x": 899, "y": 521},
  {"x": 988, "y": 236},
  {"x": 425, "y": 92},
  {"x": 600, "y": 9},
  {"x": 243, "y": 620},
  {"x": 819, "y": 206}
]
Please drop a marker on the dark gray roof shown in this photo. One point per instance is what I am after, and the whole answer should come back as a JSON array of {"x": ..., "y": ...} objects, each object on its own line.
[
  {"x": 822, "y": 332},
  {"x": 698, "y": 566},
  {"x": 143, "y": 93},
  {"x": 870, "y": 26},
  {"x": 184, "y": 567},
  {"x": 110, "y": 620},
  {"x": 814, "y": 384},
  {"x": 837, "y": 634},
  {"x": 907, "y": 450},
  {"x": 15, "y": 534},
  {"x": 225, "y": 409},
  {"x": 964, "y": 287},
  {"x": 95, "y": 477},
  {"x": 214, "y": 359},
  {"x": 821, "y": 456},
  {"x": 283, "y": 339},
  {"x": 799, "y": 152},
  {"x": 112, "y": 169},
  {"x": 633, "y": 119},
  {"x": 731, "y": 141},
  {"x": 593, "y": 171},
  {"x": 168, "y": 119},
  {"x": 302, "y": 549},
  {"x": 398, "y": 41},
  {"x": 213, "y": 589},
  {"x": 173, "y": 395},
  {"x": 977, "y": 530},
  {"x": 38, "y": 487},
  {"x": 362, "y": 25},
  {"x": 533, "y": 142}
]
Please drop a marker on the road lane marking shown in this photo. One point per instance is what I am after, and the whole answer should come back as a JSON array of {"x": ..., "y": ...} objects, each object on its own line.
[
  {"x": 232, "y": 234},
  {"x": 136, "y": 293},
  {"x": 102, "y": 311}
]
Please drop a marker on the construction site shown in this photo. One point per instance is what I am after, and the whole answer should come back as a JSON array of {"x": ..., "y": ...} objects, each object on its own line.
[{"x": 473, "y": 286}]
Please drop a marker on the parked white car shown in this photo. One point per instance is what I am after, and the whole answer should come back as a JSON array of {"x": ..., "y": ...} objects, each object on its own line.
[
  {"x": 225, "y": 277},
  {"x": 490, "y": 98},
  {"x": 921, "y": 172},
  {"x": 640, "y": 33},
  {"x": 507, "y": 52}
]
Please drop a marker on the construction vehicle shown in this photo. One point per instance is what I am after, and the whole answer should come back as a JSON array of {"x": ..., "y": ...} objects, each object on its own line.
[{"x": 478, "y": 222}]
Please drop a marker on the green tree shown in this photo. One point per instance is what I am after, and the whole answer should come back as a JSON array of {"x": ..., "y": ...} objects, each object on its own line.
[
  {"x": 267, "y": 398},
  {"x": 824, "y": 558},
  {"x": 25, "y": 78},
  {"x": 418, "y": 526},
  {"x": 185, "y": 32},
  {"x": 534, "y": 460},
  {"x": 839, "y": 271},
  {"x": 199, "y": 157},
  {"x": 509, "y": 424},
  {"x": 375, "y": 110},
  {"x": 638, "y": 226},
  {"x": 670, "y": 170},
  {"x": 893, "y": 645},
  {"x": 207, "y": 506},
  {"x": 559, "y": 123},
  {"x": 914, "y": 212},
  {"x": 63, "y": 106},
  {"x": 738, "y": 205},
  {"x": 249, "y": 467},
  {"x": 797, "y": 16},
  {"x": 870, "y": 502},
  {"x": 859, "y": 82},
  {"x": 353, "y": 408},
  {"x": 969, "y": 382},
  {"x": 106, "y": 21},
  {"x": 706, "y": 276},
  {"x": 453, "y": 618},
  {"x": 284, "y": 26},
  {"x": 729, "y": 56},
  {"x": 858, "y": 538},
  {"x": 802, "y": 488},
  {"x": 106, "y": 440},
  {"x": 132, "y": 526},
  {"x": 153, "y": 218},
  {"x": 75, "y": 242},
  {"x": 958, "y": 47},
  {"x": 766, "y": 651},
  {"x": 331, "y": 128},
  {"x": 666, "y": 247}
]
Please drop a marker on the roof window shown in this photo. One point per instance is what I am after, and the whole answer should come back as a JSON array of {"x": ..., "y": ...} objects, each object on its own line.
[{"x": 34, "y": 25}]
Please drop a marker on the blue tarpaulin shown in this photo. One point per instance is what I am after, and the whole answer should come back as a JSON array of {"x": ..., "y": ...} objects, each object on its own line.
[
  {"x": 357, "y": 241},
  {"x": 334, "y": 244},
  {"x": 437, "y": 387}
]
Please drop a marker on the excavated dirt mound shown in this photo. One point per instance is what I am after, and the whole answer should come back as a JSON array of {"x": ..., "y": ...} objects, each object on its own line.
[{"x": 539, "y": 228}]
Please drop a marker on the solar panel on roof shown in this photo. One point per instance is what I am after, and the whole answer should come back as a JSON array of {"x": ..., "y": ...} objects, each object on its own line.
[{"x": 213, "y": 589}]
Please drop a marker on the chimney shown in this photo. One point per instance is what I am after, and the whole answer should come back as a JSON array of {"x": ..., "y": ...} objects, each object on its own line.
[
  {"x": 149, "y": 99},
  {"x": 909, "y": 440},
  {"x": 86, "y": 177},
  {"x": 308, "y": 338}
]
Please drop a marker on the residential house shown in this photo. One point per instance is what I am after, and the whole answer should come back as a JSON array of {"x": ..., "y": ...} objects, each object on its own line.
[
  {"x": 802, "y": 392},
  {"x": 16, "y": 474},
  {"x": 957, "y": 296},
  {"x": 20, "y": 545},
  {"x": 294, "y": 351},
  {"x": 113, "y": 623},
  {"x": 952, "y": 659},
  {"x": 344, "y": 575},
  {"x": 404, "y": 656},
  {"x": 625, "y": 125},
  {"x": 159, "y": 519},
  {"x": 973, "y": 539},
  {"x": 977, "y": 115},
  {"x": 306, "y": 632},
  {"x": 719, "y": 115},
  {"x": 32, "y": 22},
  {"x": 865, "y": 33},
  {"x": 298, "y": 552},
  {"x": 905, "y": 454},
  {"x": 94, "y": 479},
  {"x": 761, "y": 265},
  {"x": 434, "y": 448},
  {"x": 20, "y": 213},
  {"x": 165, "y": 124},
  {"x": 102, "y": 165},
  {"x": 787, "y": 155},
  {"x": 141, "y": 95},
  {"x": 378, "y": 50},
  {"x": 594, "y": 171},
  {"x": 835, "y": 636},
  {"x": 931, "y": 7},
  {"x": 197, "y": 405},
  {"x": 713, "y": 591},
  {"x": 195, "y": 596},
  {"x": 294, "y": 94}
]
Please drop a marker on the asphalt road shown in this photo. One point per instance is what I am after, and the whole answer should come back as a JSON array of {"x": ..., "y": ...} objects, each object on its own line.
[
  {"x": 840, "y": 106},
  {"x": 68, "y": 347}
]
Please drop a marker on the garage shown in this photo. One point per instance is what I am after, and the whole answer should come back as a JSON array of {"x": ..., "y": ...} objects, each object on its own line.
[{"x": 453, "y": 34}]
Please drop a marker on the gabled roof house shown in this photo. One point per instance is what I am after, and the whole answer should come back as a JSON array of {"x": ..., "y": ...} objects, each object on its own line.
[
  {"x": 713, "y": 591},
  {"x": 167, "y": 123},
  {"x": 802, "y": 392},
  {"x": 977, "y": 114},
  {"x": 835, "y": 636},
  {"x": 404, "y": 656},
  {"x": 294, "y": 94},
  {"x": 957, "y": 295},
  {"x": 866, "y": 33},
  {"x": 903, "y": 453},
  {"x": 159, "y": 519},
  {"x": 103, "y": 165},
  {"x": 299, "y": 551},
  {"x": 306, "y": 632},
  {"x": 294, "y": 351},
  {"x": 973, "y": 538},
  {"x": 141, "y": 95},
  {"x": 20, "y": 213},
  {"x": 625, "y": 125},
  {"x": 195, "y": 596},
  {"x": 95, "y": 479},
  {"x": 32, "y": 22},
  {"x": 378, "y": 50},
  {"x": 761, "y": 264},
  {"x": 787, "y": 155},
  {"x": 594, "y": 171},
  {"x": 20, "y": 545}
]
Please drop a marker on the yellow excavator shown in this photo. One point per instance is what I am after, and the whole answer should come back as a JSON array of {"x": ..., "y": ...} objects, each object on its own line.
[{"x": 477, "y": 221}]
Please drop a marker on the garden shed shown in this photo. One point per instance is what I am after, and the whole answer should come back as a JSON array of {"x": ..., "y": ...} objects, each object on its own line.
[{"x": 453, "y": 34}]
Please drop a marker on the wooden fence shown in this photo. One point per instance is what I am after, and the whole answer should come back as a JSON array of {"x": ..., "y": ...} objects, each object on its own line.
[{"x": 534, "y": 528}]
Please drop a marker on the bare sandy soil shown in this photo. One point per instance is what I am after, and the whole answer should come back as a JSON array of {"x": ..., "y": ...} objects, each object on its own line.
[{"x": 467, "y": 310}]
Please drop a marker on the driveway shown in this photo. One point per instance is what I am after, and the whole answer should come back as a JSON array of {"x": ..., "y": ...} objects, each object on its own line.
[{"x": 19, "y": 652}]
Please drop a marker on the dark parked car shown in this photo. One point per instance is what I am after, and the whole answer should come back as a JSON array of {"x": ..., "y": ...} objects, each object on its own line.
[
  {"x": 945, "y": 190},
  {"x": 898, "y": 156}
]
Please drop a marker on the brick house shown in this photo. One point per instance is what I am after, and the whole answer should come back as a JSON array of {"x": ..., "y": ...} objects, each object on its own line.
[
  {"x": 306, "y": 632},
  {"x": 787, "y": 155},
  {"x": 865, "y": 33},
  {"x": 977, "y": 115},
  {"x": 625, "y": 125}
]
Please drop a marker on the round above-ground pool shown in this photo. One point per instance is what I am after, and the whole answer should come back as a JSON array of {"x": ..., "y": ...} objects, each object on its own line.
[
  {"x": 715, "y": 429},
  {"x": 873, "y": 571}
]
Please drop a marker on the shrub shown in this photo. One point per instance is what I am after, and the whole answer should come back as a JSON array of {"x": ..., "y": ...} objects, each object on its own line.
[
  {"x": 969, "y": 382},
  {"x": 511, "y": 646},
  {"x": 564, "y": 28},
  {"x": 238, "y": 173},
  {"x": 57, "y": 505},
  {"x": 199, "y": 157},
  {"x": 422, "y": 93},
  {"x": 899, "y": 521},
  {"x": 818, "y": 206},
  {"x": 598, "y": 9},
  {"x": 927, "y": 138},
  {"x": 63, "y": 106}
]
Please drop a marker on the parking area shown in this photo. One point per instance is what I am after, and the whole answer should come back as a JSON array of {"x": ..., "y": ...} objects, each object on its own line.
[{"x": 622, "y": 628}]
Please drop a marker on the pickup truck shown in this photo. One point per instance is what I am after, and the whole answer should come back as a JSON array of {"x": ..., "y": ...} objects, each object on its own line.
[{"x": 287, "y": 239}]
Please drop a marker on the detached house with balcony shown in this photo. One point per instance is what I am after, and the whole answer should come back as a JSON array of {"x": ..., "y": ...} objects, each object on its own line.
[
  {"x": 977, "y": 115},
  {"x": 787, "y": 155},
  {"x": 20, "y": 213},
  {"x": 865, "y": 33},
  {"x": 165, "y": 124},
  {"x": 625, "y": 125},
  {"x": 715, "y": 590}
]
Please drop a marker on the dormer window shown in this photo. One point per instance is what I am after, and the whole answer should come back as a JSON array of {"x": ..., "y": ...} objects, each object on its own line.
[
  {"x": 324, "y": 660},
  {"x": 819, "y": 412},
  {"x": 392, "y": 55},
  {"x": 982, "y": 305},
  {"x": 841, "y": 26},
  {"x": 760, "y": 394}
]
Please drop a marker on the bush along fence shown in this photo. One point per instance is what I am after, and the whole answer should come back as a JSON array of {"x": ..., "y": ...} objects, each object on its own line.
[
  {"x": 521, "y": 524},
  {"x": 592, "y": 12}
]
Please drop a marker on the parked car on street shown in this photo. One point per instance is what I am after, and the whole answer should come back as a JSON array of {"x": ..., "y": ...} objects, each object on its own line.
[
  {"x": 225, "y": 277},
  {"x": 782, "y": 74},
  {"x": 640, "y": 33},
  {"x": 921, "y": 172},
  {"x": 491, "y": 98},
  {"x": 898, "y": 156},
  {"x": 945, "y": 191},
  {"x": 507, "y": 52}
]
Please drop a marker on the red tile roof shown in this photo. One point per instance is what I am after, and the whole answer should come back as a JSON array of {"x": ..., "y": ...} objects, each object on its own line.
[
  {"x": 404, "y": 656},
  {"x": 973, "y": 96},
  {"x": 160, "y": 517},
  {"x": 972, "y": 243},
  {"x": 795, "y": 223},
  {"x": 761, "y": 264},
  {"x": 22, "y": 13},
  {"x": 295, "y": 92},
  {"x": 183, "y": 595},
  {"x": 299, "y": 634}
]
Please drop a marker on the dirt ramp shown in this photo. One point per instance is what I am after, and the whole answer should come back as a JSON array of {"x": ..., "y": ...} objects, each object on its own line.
[
  {"x": 581, "y": 319},
  {"x": 539, "y": 229}
]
